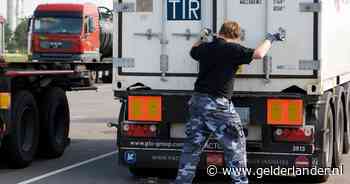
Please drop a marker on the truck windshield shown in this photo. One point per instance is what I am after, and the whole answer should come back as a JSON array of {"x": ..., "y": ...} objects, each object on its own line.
[{"x": 57, "y": 25}]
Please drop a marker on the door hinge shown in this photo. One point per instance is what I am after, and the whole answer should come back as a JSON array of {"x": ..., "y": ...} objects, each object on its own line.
[
  {"x": 309, "y": 65},
  {"x": 310, "y": 7},
  {"x": 124, "y": 7},
  {"x": 124, "y": 62}
]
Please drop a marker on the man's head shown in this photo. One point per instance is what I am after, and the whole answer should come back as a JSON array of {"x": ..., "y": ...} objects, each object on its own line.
[{"x": 230, "y": 30}]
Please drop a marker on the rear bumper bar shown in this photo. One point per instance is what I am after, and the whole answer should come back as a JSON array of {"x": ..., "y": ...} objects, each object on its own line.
[{"x": 169, "y": 158}]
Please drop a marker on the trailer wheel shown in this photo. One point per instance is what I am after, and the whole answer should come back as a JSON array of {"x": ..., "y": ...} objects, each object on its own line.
[
  {"x": 346, "y": 147},
  {"x": 326, "y": 134},
  {"x": 21, "y": 144},
  {"x": 338, "y": 129},
  {"x": 55, "y": 120}
]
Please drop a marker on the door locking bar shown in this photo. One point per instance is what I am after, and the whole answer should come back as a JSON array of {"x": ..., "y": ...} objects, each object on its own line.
[
  {"x": 149, "y": 34},
  {"x": 188, "y": 34}
]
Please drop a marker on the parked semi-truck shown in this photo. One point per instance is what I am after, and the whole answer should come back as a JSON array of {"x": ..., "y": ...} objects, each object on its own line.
[
  {"x": 34, "y": 110},
  {"x": 295, "y": 104},
  {"x": 72, "y": 32}
]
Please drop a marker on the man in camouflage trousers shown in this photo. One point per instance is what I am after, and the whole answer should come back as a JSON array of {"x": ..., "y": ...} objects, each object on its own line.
[{"x": 212, "y": 113}]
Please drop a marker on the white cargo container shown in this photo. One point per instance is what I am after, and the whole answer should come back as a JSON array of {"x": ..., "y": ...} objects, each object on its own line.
[
  {"x": 310, "y": 70},
  {"x": 315, "y": 54}
]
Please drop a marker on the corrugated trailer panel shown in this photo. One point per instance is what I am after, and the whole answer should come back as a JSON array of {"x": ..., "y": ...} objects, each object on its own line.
[{"x": 155, "y": 38}]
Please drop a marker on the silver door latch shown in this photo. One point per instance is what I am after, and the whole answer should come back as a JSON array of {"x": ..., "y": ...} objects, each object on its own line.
[
  {"x": 149, "y": 34},
  {"x": 310, "y": 7},
  {"x": 267, "y": 66},
  {"x": 124, "y": 7},
  {"x": 188, "y": 34}
]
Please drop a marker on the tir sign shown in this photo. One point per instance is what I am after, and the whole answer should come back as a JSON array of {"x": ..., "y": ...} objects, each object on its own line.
[{"x": 184, "y": 10}]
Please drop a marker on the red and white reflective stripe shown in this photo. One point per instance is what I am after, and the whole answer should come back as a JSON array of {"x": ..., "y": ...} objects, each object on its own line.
[{"x": 33, "y": 72}]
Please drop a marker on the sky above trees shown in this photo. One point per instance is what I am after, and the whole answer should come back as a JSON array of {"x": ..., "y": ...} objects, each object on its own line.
[{"x": 29, "y": 5}]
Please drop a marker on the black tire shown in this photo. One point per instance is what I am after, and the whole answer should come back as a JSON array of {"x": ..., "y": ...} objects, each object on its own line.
[
  {"x": 20, "y": 146},
  {"x": 346, "y": 147},
  {"x": 326, "y": 122},
  {"x": 55, "y": 120},
  {"x": 107, "y": 79},
  {"x": 93, "y": 77},
  {"x": 338, "y": 129}
]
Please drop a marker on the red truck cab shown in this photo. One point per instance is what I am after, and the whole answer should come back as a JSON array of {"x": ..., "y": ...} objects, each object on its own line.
[{"x": 66, "y": 32}]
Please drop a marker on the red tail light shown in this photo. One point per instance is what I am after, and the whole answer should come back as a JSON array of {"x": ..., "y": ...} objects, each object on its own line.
[
  {"x": 305, "y": 135},
  {"x": 142, "y": 131}
]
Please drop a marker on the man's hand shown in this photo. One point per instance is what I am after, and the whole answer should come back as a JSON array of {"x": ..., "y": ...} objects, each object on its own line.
[
  {"x": 277, "y": 36},
  {"x": 206, "y": 34}
]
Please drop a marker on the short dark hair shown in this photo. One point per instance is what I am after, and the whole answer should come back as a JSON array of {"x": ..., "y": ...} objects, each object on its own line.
[{"x": 230, "y": 29}]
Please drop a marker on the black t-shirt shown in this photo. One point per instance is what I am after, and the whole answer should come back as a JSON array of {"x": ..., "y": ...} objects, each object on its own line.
[{"x": 219, "y": 61}]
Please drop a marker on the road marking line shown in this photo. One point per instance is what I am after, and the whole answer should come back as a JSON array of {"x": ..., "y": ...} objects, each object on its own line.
[{"x": 67, "y": 168}]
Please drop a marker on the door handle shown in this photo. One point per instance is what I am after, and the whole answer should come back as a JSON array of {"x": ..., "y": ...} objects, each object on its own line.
[
  {"x": 188, "y": 34},
  {"x": 149, "y": 34}
]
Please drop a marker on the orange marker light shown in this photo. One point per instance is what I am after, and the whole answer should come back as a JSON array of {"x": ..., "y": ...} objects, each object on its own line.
[
  {"x": 5, "y": 100},
  {"x": 145, "y": 108},
  {"x": 285, "y": 112}
]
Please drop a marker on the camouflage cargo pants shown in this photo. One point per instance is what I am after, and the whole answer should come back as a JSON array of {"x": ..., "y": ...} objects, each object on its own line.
[{"x": 214, "y": 117}]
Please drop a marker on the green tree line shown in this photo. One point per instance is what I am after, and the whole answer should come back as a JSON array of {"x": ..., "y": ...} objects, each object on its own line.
[{"x": 17, "y": 40}]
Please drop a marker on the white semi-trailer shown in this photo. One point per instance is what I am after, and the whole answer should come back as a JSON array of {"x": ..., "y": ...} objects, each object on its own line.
[{"x": 295, "y": 103}]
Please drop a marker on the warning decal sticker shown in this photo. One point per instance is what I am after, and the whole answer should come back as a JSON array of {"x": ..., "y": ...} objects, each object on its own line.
[
  {"x": 251, "y": 2},
  {"x": 279, "y": 5}
]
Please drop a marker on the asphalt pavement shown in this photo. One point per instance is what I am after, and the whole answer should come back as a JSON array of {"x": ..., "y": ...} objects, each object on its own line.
[{"x": 92, "y": 157}]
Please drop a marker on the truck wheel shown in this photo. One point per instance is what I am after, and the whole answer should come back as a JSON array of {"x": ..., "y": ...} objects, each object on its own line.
[
  {"x": 21, "y": 144},
  {"x": 346, "y": 147},
  {"x": 326, "y": 123},
  {"x": 55, "y": 120},
  {"x": 338, "y": 129}
]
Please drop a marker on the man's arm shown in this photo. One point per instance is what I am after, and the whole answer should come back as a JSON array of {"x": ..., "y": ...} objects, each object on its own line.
[
  {"x": 197, "y": 44},
  {"x": 261, "y": 51},
  {"x": 195, "y": 51}
]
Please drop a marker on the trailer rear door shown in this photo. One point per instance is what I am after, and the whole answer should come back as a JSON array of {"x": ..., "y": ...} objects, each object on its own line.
[
  {"x": 159, "y": 35},
  {"x": 157, "y": 38},
  {"x": 258, "y": 17}
]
